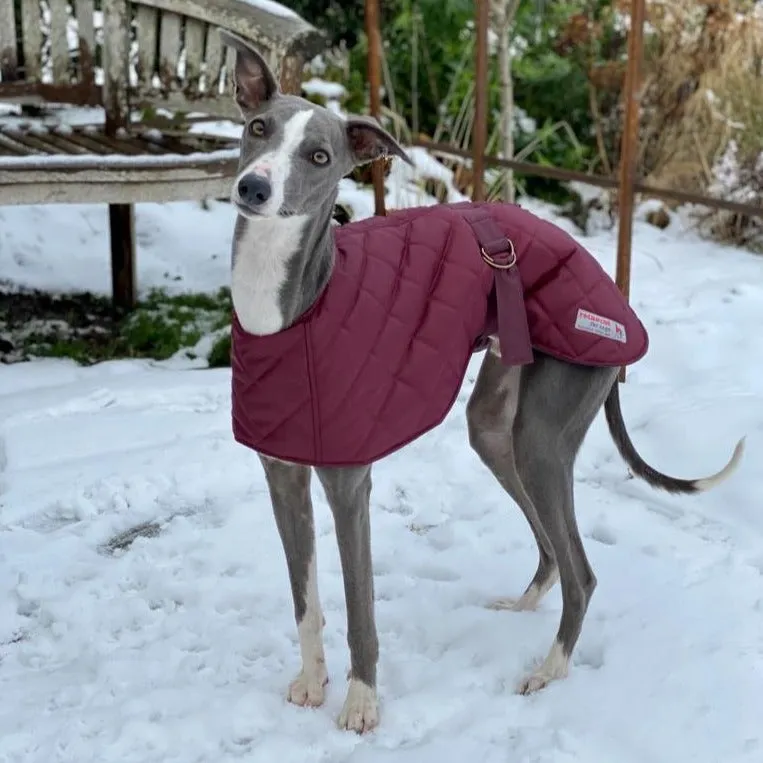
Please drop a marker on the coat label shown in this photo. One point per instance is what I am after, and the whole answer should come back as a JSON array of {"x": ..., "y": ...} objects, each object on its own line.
[{"x": 598, "y": 324}]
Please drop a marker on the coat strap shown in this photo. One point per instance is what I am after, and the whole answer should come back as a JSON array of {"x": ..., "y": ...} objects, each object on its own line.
[{"x": 497, "y": 250}]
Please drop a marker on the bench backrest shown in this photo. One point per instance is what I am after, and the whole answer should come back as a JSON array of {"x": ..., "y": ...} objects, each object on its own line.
[{"x": 142, "y": 52}]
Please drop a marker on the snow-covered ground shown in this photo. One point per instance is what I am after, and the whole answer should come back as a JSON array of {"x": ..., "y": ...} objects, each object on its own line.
[{"x": 180, "y": 647}]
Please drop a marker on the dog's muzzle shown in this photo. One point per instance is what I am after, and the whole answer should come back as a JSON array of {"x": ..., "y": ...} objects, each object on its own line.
[{"x": 254, "y": 190}]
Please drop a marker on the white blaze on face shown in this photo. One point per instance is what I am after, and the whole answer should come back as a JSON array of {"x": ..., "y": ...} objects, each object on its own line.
[
  {"x": 277, "y": 164},
  {"x": 269, "y": 241}
]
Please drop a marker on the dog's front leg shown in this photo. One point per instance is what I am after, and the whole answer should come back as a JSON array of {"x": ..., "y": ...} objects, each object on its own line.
[
  {"x": 289, "y": 486},
  {"x": 348, "y": 492}
]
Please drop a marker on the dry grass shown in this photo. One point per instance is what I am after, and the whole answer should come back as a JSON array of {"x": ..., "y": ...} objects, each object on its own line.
[
  {"x": 701, "y": 95},
  {"x": 701, "y": 90},
  {"x": 701, "y": 100}
]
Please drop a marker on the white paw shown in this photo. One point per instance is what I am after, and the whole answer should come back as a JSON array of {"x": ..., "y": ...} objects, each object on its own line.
[
  {"x": 308, "y": 689},
  {"x": 529, "y": 600},
  {"x": 534, "y": 682},
  {"x": 511, "y": 605},
  {"x": 554, "y": 667},
  {"x": 361, "y": 708}
]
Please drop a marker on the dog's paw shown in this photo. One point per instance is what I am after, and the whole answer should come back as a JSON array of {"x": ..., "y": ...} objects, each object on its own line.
[
  {"x": 554, "y": 667},
  {"x": 361, "y": 708},
  {"x": 534, "y": 682},
  {"x": 530, "y": 599},
  {"x": 308, "y": 689},
  {"x": 509, "y": 604}
]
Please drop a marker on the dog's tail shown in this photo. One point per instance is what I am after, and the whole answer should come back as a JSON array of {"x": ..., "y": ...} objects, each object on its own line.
[{"x": 641, "y": 468}]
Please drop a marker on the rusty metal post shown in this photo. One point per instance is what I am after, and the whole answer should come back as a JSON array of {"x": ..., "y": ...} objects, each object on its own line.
[
  {"x": 373, "y": 34},
  {"x": 479, "y": 135},
  {"x": 629, "y": 143}
]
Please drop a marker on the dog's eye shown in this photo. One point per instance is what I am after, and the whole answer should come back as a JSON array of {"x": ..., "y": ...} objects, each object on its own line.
[
  {"x": 257, "y": 128},
  {"x": 319, "y": 157}
]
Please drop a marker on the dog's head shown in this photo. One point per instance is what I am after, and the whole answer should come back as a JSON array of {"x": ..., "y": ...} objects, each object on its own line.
[{"x": 293, "y": 152}]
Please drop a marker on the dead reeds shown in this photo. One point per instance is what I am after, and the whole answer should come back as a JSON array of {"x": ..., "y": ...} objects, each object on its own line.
[{"x": 701, "y": 102}]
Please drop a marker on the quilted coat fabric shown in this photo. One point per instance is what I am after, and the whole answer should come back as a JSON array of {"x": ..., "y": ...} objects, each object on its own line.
[{"x": 380, "y": 357}]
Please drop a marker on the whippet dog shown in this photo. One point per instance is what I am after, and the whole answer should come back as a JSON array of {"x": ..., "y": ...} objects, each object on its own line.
[{"x": 526, "y": 423}]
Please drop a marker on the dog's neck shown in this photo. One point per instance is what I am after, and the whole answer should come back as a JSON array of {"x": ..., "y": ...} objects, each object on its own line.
[{"x": 280, "y": 265}]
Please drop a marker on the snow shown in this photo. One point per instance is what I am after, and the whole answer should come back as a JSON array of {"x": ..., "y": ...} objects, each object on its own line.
[
  {"x": 181, "y": 647},
  {"x": 65, "y": 247},
  {"x": 276, "y": 9},
  {"x": 728, "y": 177},
  {"x": 329, "y": 90},
  {"x": 57, "y": 116},
  {"x": 222, "y": 128},
  {"x": 81, "y": 232},
  {"x": 104, "y": 161}
]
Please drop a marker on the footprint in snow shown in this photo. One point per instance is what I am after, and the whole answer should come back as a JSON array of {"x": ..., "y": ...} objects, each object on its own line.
[
  {"x": 438, "y": 574},
  {"x": 602, "y": 534},
  {"x": 590, "y": 655}
]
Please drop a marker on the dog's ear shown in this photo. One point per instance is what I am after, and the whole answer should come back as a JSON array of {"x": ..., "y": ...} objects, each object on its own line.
[
  {"x": 253, "y": 81},
  {"x": 368, "y": 141}
]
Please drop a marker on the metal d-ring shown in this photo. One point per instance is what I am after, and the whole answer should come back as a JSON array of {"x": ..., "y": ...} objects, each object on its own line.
[{"x": 497, "y": 265}]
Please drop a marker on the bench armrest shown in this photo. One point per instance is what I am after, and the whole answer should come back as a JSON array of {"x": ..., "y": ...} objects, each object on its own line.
[{"x": 264, "y": 22}]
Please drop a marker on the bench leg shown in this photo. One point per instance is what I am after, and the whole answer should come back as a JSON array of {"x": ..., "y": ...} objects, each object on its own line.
[{"x": 122, "y": 228}]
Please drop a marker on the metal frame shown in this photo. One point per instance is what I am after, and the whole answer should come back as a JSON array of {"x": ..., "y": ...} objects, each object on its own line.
[{"x": 627, "y": 182}]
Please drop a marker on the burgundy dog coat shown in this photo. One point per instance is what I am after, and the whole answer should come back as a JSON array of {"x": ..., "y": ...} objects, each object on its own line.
[{"x": 379, "y": 358}]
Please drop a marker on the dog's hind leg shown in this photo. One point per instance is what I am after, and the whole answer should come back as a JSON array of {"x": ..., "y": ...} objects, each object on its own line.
[
  {"x": 557, "y": 404},
  {"x": 289, "y": 486},
  {"x": 348, "y": 491},
  {"x": 490, "y": 416}
]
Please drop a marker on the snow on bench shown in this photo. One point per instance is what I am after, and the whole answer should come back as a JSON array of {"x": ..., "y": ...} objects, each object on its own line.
[{"x": 56, "y": 53}]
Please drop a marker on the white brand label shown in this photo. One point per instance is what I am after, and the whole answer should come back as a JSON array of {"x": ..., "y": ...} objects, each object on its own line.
[{"x": 598, "y": 324}]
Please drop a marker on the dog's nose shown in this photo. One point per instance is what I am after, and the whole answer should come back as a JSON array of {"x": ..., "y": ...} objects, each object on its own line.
[{"x": 254, "y": 190}]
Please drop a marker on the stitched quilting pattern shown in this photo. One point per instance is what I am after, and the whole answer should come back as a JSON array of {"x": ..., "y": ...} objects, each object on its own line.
[
  {"x": 381, "y": 358},
  {"x": 581, "y": 283}
]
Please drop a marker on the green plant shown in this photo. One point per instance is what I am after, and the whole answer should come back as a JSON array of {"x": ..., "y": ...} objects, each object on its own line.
[
  {"x": 341, "y": 20},
  {"x": 429, "y": 81},
  {"x": 423, "y": 43},
  {"x": 85, "y": 328},
  {"x": 219, "y": 355},
  {"x": 551, "y": 85}
]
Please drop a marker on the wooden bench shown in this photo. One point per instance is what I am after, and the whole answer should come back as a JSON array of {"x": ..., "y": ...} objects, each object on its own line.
[{"x": 126, "y": 59}]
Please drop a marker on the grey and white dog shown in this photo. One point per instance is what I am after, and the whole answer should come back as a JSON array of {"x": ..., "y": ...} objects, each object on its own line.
[{"x": 526, "y": 424}]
